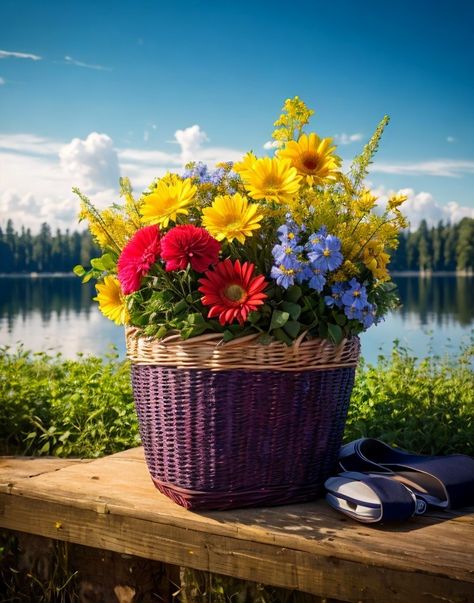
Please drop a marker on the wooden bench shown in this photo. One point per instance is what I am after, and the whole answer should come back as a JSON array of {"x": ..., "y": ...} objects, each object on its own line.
[{"x": 111, "y": 504}]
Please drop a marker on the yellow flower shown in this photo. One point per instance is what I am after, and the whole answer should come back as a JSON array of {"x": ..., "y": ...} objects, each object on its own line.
[
  {"x": 396, "y": 200},
  {"x": 273, "y": 179},
  {"x": 313, "y": 158},
  {"x": 376, "y": 260},
  {"x": 166, "y": 201},
  {"x": 246, "y": 164},
  {"x": 111, "y": 300},
  {"x": 231, "y": 217},
  {"x": 366, "y": 201}
]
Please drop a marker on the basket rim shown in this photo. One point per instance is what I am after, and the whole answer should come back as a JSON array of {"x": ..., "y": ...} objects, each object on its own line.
[{"x": 210, "y": 351}]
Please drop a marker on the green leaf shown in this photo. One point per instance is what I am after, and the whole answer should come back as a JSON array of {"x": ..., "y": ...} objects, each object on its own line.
[
  {"x": 293, "y": 293},
  {"x": 335, "y": 333},
  {"x": 79, "y": 270},
  {"x": 98, "y": 264},
  {"x": 253, "y": 317},
  {"x": 108, "y": 262},
  {"x": 282, "y": 336},
  {"x": 341, "y": 319},
  {"x": 180, "y": 307},
  {"x": 294, "y": 310},
  {"x": 195, "y": 319},
  {"x": 227, "y": 335},
  {"x": 292, "y": 328},
  {"x": 279, "y": 318}
]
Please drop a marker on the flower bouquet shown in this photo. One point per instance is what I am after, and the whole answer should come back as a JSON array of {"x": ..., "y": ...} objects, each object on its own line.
[{"x": 243, "y": 289}]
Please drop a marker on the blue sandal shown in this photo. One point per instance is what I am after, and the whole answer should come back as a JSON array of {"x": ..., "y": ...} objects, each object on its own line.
[{"x": 381, "y": 483}]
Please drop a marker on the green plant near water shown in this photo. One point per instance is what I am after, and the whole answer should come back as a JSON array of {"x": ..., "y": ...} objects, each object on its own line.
[
  {"x": 50, "y": 405},
  {"x": 84, "y": 407}
]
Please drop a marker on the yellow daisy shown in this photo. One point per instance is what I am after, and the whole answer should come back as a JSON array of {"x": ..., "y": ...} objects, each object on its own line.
[
  {"x": 246, "y": 164},
  {"x": 166, "y": 201},
  {"x": 231, "y": 217},
  {"x": 111, "y": 300},
  {"x": 313, "y": 157},
  {"x": 273, "y": 179}
]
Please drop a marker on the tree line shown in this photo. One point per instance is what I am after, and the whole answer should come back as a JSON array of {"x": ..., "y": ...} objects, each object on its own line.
[
  {"x": 22, "y": 251},
  {"x": 445, "y": 247}
]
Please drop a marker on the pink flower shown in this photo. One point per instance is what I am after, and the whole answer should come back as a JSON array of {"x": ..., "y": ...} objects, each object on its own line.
[
  {"x": 137, "y": 257},
  {"x": 188, "y": 244}
]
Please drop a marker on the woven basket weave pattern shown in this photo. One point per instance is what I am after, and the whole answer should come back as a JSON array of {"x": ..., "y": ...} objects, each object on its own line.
[{"x": 242, "y": 437}]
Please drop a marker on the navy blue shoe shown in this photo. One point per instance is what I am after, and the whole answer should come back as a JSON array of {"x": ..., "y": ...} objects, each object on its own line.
[{"x": 381, "y": 483}]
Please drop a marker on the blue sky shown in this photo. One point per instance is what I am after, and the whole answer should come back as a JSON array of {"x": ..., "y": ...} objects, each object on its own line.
[{"x": 90, "y": 86}]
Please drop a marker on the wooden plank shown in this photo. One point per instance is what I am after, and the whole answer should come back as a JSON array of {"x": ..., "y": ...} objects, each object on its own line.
[
  {"x": 111, "y": 503},
  {"x": 15, "y": 468}
]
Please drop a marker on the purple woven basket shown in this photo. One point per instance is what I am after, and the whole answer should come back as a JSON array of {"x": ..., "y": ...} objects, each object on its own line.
[{"x": 219, "y": 439}]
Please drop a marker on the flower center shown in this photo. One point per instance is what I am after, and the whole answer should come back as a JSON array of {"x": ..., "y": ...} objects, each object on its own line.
[
  {"x": 327, "y": 253},
  {"x": 356, "y": 293},
  {"x": 271, "y": 182},
  {"x": 234, "y": 292},
  {"x": 310, "y": 161}
]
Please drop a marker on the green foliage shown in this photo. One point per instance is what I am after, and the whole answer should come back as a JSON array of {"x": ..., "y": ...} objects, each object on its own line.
[
  {"x": 50, "y": 405},
  {"x": 426, "y": 406}
]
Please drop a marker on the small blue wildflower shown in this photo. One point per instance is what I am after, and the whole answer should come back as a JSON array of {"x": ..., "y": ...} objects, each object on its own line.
[
  {"x": 326, "y": 255},
  {"x": 355, "y": 296},
  {"x": 286, "y": 254},
  {"x": 304, "y": 273},
  {"x": 316, "y": 237},
  {"x": 317, "y": 280},
  {"x": 285, "y": 277},
  {"x": 335, "y": 299}
]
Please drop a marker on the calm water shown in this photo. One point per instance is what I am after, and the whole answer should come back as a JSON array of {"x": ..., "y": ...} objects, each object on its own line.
[{"x": 57, "y": 314}]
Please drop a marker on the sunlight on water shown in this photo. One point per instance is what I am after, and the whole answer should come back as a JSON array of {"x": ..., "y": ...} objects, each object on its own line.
[{"x": 58, "y": 315}]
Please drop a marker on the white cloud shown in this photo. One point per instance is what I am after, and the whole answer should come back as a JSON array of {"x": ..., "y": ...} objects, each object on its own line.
[
  {"x": 70, "y": 61},
  {"x": 344, "y": 138},
  {"x": 3, "y": 81},
  {"x": 30, "y": 144},
  {"x": 190, "y": 140},
  {"x": 451, "y": 168},
  {"x": 93, "y": 161},
  {"x": 272, "y": 144},
  {"x": 422, "y": 205},
  {"x": 7, "y": 54}
]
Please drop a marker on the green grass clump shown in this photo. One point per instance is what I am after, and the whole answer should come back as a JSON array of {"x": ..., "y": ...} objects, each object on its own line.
[
  {"x": 50, "y": 405},
  {"x": 426, "y": 406}
]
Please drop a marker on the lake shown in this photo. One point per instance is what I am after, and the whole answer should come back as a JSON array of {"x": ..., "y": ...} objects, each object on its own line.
[{"x": 57, "y": 314}]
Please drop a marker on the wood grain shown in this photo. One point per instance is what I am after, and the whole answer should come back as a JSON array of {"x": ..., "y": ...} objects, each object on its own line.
[{"x": 111, "y": 503}]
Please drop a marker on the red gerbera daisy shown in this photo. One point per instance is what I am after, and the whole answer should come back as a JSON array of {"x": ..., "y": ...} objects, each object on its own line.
[
  {"x": 188, "y": 244},
  {"x": 137, "y": 257},
  {"x": 231, "y": 291}
]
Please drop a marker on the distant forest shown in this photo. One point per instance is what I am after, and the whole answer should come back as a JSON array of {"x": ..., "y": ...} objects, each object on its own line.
[{"x": 445, "y": 247}]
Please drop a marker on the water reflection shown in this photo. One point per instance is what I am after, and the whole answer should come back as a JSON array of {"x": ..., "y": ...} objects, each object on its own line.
[{"x": 58, "y": 314}]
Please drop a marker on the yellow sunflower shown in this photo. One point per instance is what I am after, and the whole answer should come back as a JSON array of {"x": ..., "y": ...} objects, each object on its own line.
[
  {"x": 166, "y": 201},
  {"x": 313, "y": 157},
  {"x": 246, "y": 164},
  {"x": 231, "y": 217},
  {"x": 111, "y": 300},
  {"x": 273, "y": 179}
]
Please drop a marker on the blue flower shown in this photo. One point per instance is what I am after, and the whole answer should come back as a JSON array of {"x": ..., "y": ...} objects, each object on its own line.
[
  {"x": 335, "y": 299},
  {"x": 202, "y": 173},
  {"x": 355, "y": 296},
  {"x": 317, "y": 280},
  {"x": 286, "y": 254},
  {"x": 326, "y": 255},
  {"x": 285, "y": 277},
  {"x": 316, "y": 238}
]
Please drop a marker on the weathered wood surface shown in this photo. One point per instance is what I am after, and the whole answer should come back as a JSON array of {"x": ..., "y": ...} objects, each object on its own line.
[{"x": 110, "y": 503}]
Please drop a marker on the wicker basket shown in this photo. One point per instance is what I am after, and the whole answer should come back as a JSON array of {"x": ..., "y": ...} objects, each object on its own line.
[{"x": 240, "y": 424}]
